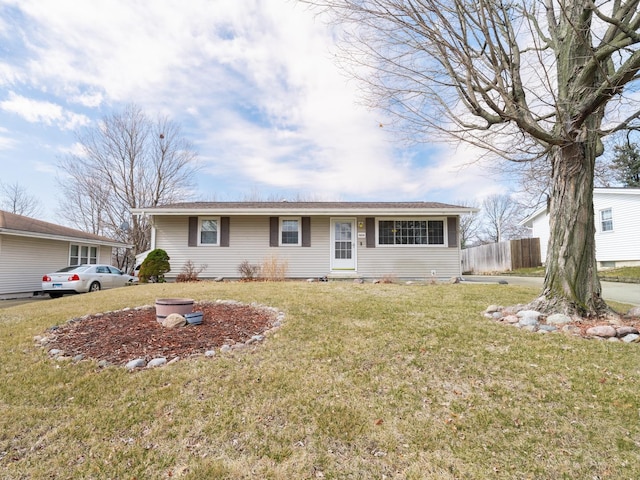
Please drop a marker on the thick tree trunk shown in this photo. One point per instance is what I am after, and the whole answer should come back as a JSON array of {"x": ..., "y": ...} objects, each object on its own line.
[{"x": 571, "y": 283}]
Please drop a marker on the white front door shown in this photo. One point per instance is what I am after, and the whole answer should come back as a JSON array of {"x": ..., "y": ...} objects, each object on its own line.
[{"x": 343, "y": 244}]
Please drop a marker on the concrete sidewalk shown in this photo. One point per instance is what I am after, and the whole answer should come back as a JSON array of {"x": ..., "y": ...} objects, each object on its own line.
[{"x": 618, "y": 292}]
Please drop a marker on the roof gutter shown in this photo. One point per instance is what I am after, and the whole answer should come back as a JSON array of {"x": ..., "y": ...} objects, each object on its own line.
[{"x": 305, "y": 211}]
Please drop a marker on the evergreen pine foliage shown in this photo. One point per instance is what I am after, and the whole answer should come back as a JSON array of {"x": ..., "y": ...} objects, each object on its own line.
[
  {"x": 626, "y": 164},
  {"x": 155, "y": 266}
]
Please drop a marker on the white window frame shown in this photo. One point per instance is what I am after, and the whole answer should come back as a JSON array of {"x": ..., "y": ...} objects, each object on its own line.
[
  {"x": 281, "y": 231},
  {"x": 91, "y": 260},
  {"x": 609, "y": 220},
  {"x": 413, "y": 219},
  {"x": 201, "y": 220}
]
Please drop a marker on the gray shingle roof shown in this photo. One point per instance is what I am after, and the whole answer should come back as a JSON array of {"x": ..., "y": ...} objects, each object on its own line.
[
  {"x": 18, "y": 224},
  {"x": 305, "y": 205}
]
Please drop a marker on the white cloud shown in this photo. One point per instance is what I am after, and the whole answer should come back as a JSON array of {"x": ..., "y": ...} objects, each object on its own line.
[
  {"x": 253, "y": 82},
  {"x": 35, "y": 111}
]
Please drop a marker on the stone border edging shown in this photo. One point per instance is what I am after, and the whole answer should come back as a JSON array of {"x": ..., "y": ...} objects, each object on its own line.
[{"x": 139, "y": 363}]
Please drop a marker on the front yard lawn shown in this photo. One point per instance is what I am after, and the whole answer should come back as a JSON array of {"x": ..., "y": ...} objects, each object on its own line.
[{"x": 362, "y": 382}]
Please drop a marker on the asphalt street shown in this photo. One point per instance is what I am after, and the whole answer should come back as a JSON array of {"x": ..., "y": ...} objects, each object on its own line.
[{"x": 616, "y": 291}]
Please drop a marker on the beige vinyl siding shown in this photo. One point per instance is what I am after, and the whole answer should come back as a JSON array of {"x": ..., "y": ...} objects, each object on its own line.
[
  {"x": 24, "y": 260},
  {"x": 410, "y": 261},
  {"x": 104, "y": 255},
  {"x": 249, "y": 240}
]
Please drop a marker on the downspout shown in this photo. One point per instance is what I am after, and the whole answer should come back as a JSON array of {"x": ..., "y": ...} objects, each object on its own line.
[{"x": 152, "y": 245}]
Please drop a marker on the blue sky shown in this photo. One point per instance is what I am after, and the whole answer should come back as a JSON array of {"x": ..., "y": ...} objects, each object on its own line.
[{"x": 251, "y": 82}]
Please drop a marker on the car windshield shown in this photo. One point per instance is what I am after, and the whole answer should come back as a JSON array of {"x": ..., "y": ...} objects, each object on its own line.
[{"x": 74, "y": 268}]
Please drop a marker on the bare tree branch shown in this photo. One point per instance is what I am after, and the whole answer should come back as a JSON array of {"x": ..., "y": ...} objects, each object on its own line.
[
  {"x": 128, "y": 161},
  {"x": 532, "y": 80},
  {"x": 15, "y": 198}
]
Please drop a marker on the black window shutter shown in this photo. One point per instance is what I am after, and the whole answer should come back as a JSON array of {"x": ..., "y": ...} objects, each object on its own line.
[
  {"x": 370, "y": 232},
  {"x": 224, "y": 231},
  {"x": 273, "y": 231},
  {"x": 452, "y": 231},
  {"x": 306, "y": 231},
  {"x": 193, "y": 232}
]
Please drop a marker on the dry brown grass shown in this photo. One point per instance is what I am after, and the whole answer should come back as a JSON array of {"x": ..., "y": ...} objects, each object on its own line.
[
  {"x": 362, "y": 381},
  {"x": 274, "y": 269}
]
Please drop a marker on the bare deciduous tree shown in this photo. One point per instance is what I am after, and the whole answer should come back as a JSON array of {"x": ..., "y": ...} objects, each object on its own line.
[
  {"x": 16, "y": 199},
  {"x": 523, "y": 80},
  {"x": 501, "y": 216},
  {"x": 127, "y": 161},
  {"x": 469, "y": 224}
]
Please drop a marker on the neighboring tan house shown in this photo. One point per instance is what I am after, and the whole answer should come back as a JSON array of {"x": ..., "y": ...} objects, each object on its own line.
[
  {"x": 617, "y": 219},
  {"x": 411, "y": 240},
  {"x": 29, "y": 248}
]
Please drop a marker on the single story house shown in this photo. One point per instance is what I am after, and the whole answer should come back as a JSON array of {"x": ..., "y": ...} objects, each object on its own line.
[
  {"x": 617, "y": 220},
  {"x": 29, "y": 248},
  {"x": 410, "y": 240}
]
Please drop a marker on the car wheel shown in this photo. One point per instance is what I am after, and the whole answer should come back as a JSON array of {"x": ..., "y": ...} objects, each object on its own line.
[
  {"x": 94, "y": 287},
  {"x": 55, "y": 295}
]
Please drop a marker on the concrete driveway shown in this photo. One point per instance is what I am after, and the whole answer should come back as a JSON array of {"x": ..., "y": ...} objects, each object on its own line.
[
  {"x": 19, "y": 301},
  {"x": 615, "y": 291}
]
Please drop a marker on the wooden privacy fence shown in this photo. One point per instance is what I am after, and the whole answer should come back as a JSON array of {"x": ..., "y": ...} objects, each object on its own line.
[{"x": 502, "y": 256}]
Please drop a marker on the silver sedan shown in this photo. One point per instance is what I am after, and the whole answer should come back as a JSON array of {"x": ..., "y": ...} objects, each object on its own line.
[{"x": 84, "y": 278}]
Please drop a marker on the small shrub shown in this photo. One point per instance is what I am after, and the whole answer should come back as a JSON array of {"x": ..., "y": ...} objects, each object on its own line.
[
  {"x": 189, "y": 272},
  {"x": 248, "y": 271},
  {"x": 388, "y": 278},
  {"x": 273, "y": 269},
  {"x": 155, "y": 266}
]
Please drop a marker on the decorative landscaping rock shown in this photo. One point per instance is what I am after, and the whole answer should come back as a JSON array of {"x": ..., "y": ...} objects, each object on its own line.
[
  {"x": 612, "y": 327},
  {"x": 558, "y": 319},
  {"x": 528, "y": 314},
  {"x": 634, "y": 312},
  {"x": 547, "y": 328},
  {"x": 157, "y": 362},
  {"x": 267, "y": 320},
  {"x": 626, "y": 330},
  {"x": 571, "y": 329},
  {"x": 528, "y": 321},
  {"x": 137, "y": 363},
  {"x": 174, "y": 320},
  {"x": 604, "y": 331}
]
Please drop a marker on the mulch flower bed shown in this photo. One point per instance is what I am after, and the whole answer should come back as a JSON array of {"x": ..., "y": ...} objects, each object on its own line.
[{"x": 117, "y": 337}]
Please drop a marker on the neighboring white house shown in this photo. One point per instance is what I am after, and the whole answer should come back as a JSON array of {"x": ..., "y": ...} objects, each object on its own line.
[
  {"x": 29, "y": 248},
  {"x": 315, "y": 239},
  {"x": 617, "y": 219}
]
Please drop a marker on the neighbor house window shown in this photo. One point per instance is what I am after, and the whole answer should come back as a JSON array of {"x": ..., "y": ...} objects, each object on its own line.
[
  {"x": 290, "y": 231},
  {"x": 208, "y": 231},
  {"x": 83, "y": 254},
  {"x": 606, "y": 220},
  {"x": 411, "y": 232}
]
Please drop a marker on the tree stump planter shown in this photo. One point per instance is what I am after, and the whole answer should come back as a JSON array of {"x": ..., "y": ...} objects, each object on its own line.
[{"x": 167, "y": 306}]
